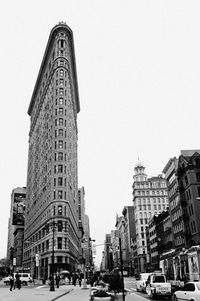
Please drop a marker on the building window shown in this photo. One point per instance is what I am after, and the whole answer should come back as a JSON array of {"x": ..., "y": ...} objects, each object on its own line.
[
  {"x": 47, "y": 245},
  {"x": 59, "y": 242},
  {"x": 60, "y": 168},
  {"x": 60, "y": 156},
  {"x": 60, "y": 133},
  {"x": 60, "y": 144},
  {"x": 47, "y": 229},
  {"x": 60, "y": 121},
  {"x": 61, "y": 72},
  {"x": 42, "y": 247},
  {"x": 60, "y": 111},
  {"x": 59, "y": 210},
  {"x": 61, "y": 101},
  {"x": 60, "y": 226},
  {"x": 60, "y": 181},
  {"x": 60, "y": 194}
]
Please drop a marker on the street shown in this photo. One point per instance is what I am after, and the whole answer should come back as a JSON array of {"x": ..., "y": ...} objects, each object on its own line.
[{"x": 64, "y": 293}]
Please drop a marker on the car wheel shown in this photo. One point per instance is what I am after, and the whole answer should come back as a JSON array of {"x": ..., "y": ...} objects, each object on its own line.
[{"x": 24, "y": 283}]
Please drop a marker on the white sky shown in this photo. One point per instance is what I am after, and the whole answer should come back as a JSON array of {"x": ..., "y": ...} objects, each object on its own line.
[{"x": 138, "y": 66}]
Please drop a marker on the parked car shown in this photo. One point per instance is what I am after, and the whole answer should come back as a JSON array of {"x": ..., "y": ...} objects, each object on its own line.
[
  {"x": 190, "y": 291},
  {"x": 25, "y": 278},
  {"x": 157, "y": 285},
  {"x": 141, "y": 282}
]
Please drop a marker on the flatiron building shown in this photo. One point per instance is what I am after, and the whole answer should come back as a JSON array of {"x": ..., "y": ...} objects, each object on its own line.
[{"x": 51, "y": 235}]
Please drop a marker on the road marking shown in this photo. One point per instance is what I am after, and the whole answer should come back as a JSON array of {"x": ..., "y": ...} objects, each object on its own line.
[{"x": 141, "y": 296}]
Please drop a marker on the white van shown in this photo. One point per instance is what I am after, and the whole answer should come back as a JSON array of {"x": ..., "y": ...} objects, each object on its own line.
[
  {"x": 157, "y": 285},
  {"x": 25, "y": 278}
]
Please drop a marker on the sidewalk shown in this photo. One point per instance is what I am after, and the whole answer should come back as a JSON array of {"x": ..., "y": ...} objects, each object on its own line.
[
  {"x": 63, "y": 293},
  {"x": 77, "y": 294},
  {"x": 40, "y": 293}
]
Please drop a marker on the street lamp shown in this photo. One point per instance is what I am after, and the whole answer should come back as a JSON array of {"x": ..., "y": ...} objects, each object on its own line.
[
  {"x": 52, "y": 287},
  {"x": 121, "y": 267}
]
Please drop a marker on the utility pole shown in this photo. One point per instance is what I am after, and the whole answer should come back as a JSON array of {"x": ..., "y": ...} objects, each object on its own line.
[
  {"x": 121, "y": 267},
  {"x": 52, "y": 287}
]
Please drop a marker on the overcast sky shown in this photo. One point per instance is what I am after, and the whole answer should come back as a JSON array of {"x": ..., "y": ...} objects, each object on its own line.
[{"x": 138, "y": 66}]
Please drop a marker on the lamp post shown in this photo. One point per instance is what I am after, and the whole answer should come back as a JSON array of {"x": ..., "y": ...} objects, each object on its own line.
[
  {"x": 84, "y": 247},
  {"x": 52, "y": 287},
  {"x": 121, "y": 267}
]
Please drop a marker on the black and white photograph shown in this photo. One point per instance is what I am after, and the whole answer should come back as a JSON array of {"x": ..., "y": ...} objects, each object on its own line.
[{"x": 100, "y": 150}]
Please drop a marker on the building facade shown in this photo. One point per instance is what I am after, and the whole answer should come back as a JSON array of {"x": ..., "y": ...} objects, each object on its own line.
[
  {"x": 129, "y": 229},
  {"x": 16, "y": 228},
  {"x": 188, "y": 174},
  {"x": 150, "y": 197},
  {"x": 51, "y": 222},
  {"x": 175, "y": 208}
]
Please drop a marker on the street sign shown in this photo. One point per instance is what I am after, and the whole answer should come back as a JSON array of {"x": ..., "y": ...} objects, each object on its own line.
[{"x": 14, "y": 261}]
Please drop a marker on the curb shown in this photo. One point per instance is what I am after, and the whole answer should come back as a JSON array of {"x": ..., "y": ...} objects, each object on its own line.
[{"x": 65, "y": 293}]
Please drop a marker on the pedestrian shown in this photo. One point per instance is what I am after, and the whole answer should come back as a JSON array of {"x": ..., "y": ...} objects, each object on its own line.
[
  {"x": 57, "y": 280},
  {"x": 79, "y": 279},
  {"x": 11, "y": 282},
  {"x": 17, "y": 281},
  {"x": 69, "y": 278},
  {"x": 74, "y": 278}
]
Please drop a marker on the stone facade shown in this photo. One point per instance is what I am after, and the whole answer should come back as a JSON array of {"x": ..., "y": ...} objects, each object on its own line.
[
  {"x": 150, "y": 197},
  {"x": 52, "y": 177}
]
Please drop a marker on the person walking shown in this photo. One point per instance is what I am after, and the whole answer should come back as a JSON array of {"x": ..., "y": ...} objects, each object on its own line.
[
  {"x": 74, "y": 278},
  {"x": 18, "y": 281},
  {"x": 57, "y": 280},
  {"x": 79, "y": 279},
  {"x": 11, "y": 282}
]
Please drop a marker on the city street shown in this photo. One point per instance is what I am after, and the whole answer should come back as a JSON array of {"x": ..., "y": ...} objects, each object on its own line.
[{"x": 64, "y": 293}]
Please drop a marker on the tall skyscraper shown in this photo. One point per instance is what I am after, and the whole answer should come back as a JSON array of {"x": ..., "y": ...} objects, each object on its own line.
[{"x": 52, "y": 236}]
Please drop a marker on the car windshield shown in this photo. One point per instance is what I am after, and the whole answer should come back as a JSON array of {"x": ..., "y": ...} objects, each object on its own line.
[
  {"x": 159, "y": 279},
  {"x": 198, "y": 286}
]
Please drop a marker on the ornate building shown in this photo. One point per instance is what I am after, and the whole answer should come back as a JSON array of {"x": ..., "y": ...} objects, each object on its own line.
[
  {"x": 52, "y": 234},
  {"x": 150, "y": 197}
]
